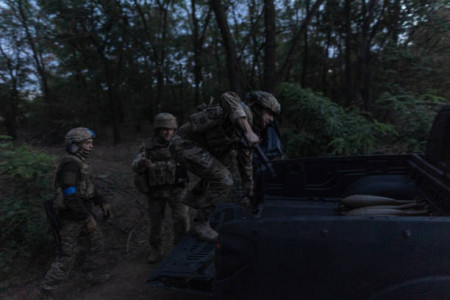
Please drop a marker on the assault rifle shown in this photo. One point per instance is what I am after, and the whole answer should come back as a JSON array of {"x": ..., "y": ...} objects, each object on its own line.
[
  {"x": 54, "y": 222},
  {"x": 260, "y": 154}
]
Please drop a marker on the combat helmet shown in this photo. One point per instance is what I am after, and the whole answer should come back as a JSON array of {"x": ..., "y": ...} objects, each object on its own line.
[
  {"x": 165, "y": 120},
  {"x": 75, "y": 136},
  {"x": 265, "y": 100}
]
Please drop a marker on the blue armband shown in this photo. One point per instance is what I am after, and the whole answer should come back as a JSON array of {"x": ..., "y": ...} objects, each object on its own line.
[{"x": 69, "y": 191}]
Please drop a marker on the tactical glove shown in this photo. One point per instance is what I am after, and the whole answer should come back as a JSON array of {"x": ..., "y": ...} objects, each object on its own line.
[{"x": 245, "y": 201}]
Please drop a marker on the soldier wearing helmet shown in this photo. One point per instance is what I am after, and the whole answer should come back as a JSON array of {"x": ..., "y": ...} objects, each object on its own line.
[
  {"x": 162, "y": 180},
  {"x": 265, "y": 108},
  {"x": 74, "y": 200},
  {"x": 210, "y": 144}
]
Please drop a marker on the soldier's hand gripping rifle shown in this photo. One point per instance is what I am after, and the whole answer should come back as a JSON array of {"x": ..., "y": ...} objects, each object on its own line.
[{"x": 260, "y": 154}]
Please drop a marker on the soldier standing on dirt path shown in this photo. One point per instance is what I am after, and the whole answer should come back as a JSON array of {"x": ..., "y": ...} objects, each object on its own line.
[
  {"x": 162, "y": 179},
  {"x": 73, "y": 203},
  {"x": 206, "y": 146}
]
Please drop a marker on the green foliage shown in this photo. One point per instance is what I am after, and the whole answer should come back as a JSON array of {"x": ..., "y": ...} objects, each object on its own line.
[
  {"x": 322, "y": 127},
  {"x": 411, "y": 116},
  {"x": 26, "y": 176}
]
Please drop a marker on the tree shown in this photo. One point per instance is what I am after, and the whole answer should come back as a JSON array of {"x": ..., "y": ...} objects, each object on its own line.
[
  {"x": 13, "y": 70},
  {"x": 198, "y": 40},
  {"x": 270, "y": 46},
  {"x": 28, "y": 16},
  {"x": 233, "y": 68}
]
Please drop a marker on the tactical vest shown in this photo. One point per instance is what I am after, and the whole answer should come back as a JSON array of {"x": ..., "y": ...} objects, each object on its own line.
[
  {"x": 85, "y": 188},
  {"x": 219, "y": 135},
  {"x": 163, "y": 170}
]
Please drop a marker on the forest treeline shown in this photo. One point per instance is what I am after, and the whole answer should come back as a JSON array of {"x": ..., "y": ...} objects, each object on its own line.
[{"x": 352, "y": 71}]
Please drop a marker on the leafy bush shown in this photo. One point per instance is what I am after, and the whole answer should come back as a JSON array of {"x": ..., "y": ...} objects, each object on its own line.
[
  {"x": 26, "y": 176},
  {"x": 322, "y": 127},
  {"x": 411, "y": 116}
]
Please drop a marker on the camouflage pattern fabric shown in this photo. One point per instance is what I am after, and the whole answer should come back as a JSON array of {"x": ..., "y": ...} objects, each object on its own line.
[
  {"x": 74, "y": 171},
  {"x": 164, "y": 168},
  {"x": 157, "y": 202},
  {"x": 210, "y": 154},
  {"x": 86, "y": 188},
  {"x": 205, "y": 165},
  {"x": 70, "y": 243},
  {"x": 166, "y": 185},
  {"x": 219, "y": 141}
]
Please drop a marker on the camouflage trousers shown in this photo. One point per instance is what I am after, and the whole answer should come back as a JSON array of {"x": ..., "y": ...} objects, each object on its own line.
[
  {"x": 215, "y": 173},
  {"x": 157, "y": 202},
  {"x": 71, "y": 234}
]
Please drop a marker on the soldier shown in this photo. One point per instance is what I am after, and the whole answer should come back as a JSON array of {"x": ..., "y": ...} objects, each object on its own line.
[
  {"x": 74, "y": 209},
  {"x": 163, "y": 182},
  {"x": 270, "y": 144},
  {"x": 206, "y": 145}
]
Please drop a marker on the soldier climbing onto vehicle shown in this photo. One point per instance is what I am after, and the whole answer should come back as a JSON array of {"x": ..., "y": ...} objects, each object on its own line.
[
  {"x": 206, "y": 146},
  {"x": 162, "y": 180},
  {"x": 270, "y": 144},
  {"x": 75, "y": 196},
  {"x": 270, "y": 138}
]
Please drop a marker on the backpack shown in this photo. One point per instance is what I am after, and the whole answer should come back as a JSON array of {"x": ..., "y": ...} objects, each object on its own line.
[{"x": 206, "y": 118}]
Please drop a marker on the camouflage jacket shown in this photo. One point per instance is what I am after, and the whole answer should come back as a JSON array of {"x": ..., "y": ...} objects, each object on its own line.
[
  {"x": 222, "y": 135},
  {"x": 74, "y": 178},
  {"x": 164, "y": 171}
]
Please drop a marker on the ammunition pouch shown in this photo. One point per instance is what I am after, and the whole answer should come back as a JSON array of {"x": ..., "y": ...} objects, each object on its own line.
[
  {"x": 162, "y": 173},
  {"x": 87, "y": 188}
]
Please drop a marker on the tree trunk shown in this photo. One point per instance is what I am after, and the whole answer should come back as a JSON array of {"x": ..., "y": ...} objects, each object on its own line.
[
  {"x": 162, "y": 57},
  {"x": 198, "y": 41},
  {"x": 288, "y": 62},
  {"x": 305, "y": 52},
  {"x": 12, "y": 102},
  {"x": 10, "y": 94},
  {"x": 364, "y": 55},
  {"x": 197, "y": 53},
  {"x": 270, "y": 48},
  {"x": 348, "y": 67},
  {"x": 37, "y": 55},
  {"x": 234, "y": 73}
]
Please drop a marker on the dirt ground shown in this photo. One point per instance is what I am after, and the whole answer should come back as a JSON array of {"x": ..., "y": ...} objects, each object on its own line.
[{"x": 126, "y": 237}]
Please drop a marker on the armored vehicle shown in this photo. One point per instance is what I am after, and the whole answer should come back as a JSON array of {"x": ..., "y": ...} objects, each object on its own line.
[{"x": 307, "y": 242}]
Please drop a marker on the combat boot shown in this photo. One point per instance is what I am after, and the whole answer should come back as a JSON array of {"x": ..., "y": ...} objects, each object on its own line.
[
  {"x": 155, "y": 255},
  {"x": 203, "y": 231}
]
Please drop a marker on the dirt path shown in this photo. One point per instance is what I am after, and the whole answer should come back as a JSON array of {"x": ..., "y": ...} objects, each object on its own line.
[
  {"x": 128, "y": 281},
  {"x": 126, "y": 239}
]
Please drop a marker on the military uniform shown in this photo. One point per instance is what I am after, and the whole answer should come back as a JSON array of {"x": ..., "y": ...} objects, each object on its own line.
[
  {"x": 206, "y": 146},
  {"x": 166, "y": 180},
  {"x": 162, "y": 180},
  {"x": 73, "y": 178}
]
